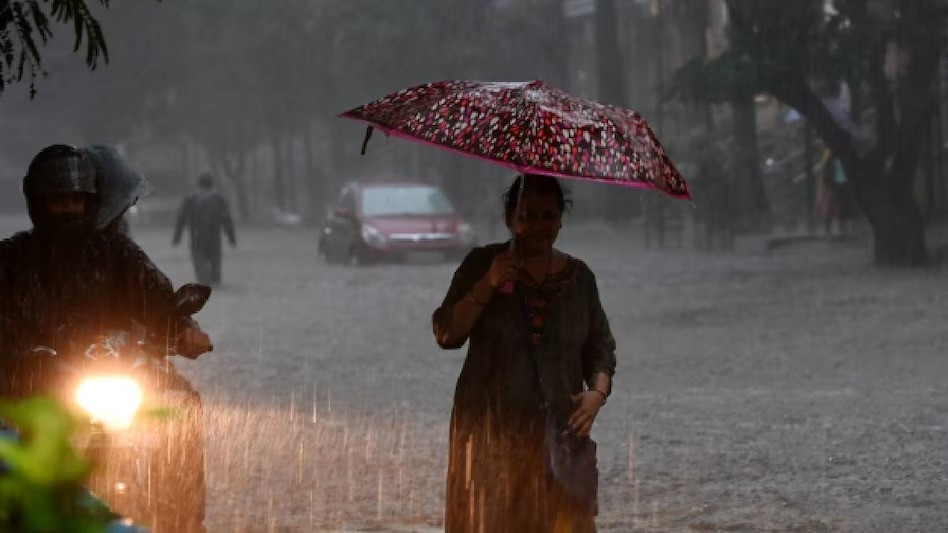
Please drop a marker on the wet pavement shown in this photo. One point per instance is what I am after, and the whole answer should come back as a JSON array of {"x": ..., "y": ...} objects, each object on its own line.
[{"x": 795, "y": 390}]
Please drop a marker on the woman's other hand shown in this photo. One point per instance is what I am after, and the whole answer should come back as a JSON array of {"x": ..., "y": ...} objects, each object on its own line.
[
  {"x": 502, "y": 269},
  {"x": 586, "y": 407}
]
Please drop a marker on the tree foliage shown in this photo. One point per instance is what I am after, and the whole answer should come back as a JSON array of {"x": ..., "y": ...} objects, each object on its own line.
[
  {"x": 243, "y": 80},
  {"x": 42, "y": 477},
  {"x": 25, "y": 27},
  {"x": 796, "y": 51}
]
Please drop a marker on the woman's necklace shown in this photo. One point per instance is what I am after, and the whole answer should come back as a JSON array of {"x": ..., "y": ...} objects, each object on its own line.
[
  {"x": 537, "y": 297},
  {"x": 544, "y": 277}
]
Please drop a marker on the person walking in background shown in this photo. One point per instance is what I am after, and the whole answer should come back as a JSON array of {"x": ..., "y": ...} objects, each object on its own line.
[
  {"x": 539, "y": 368},
  {"x": 835, "y": 201},
  {"x": 206, "y": 214}
]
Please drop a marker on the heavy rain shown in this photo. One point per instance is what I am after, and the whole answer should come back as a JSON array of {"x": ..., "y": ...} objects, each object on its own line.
[{"x": 780, "y": 338}]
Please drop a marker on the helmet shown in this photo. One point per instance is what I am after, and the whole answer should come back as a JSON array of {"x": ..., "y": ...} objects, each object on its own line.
[
  {"x": 119, "y": 186},
  {"x": 60, "y": 169}
]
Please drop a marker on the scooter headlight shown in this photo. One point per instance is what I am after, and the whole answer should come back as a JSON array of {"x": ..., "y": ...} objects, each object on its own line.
[{"x": 111, "y": 400}]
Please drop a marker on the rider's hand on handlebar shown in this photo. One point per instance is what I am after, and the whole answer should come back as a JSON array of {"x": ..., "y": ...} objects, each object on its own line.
[{"x": 192, "y": 342}]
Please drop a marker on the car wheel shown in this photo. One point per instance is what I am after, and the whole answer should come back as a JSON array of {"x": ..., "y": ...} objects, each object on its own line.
[{"x": 359, "y": 256}]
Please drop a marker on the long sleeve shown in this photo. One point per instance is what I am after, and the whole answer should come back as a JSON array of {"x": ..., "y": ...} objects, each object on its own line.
[
  {"x": 599, "y": 351},
  {"x": 472, "y": 268},
  {"x": 148, "y": 292}
]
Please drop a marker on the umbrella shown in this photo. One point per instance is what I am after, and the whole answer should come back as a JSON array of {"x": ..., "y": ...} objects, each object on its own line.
[{"x": 529, "y": 127}]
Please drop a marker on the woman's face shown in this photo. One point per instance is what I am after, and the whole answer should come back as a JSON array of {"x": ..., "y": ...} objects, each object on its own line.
[{"x": 538, "y": 222}]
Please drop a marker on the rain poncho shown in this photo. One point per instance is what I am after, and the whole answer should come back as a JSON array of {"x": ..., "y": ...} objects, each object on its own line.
[
  {"x": 205, "y": 213},
  {"x": 119, "y": 187},
  {"x": 53, "y": 288}
]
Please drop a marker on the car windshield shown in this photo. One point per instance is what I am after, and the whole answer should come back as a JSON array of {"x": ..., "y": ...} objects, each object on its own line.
[{"x": 404, "y": 200}]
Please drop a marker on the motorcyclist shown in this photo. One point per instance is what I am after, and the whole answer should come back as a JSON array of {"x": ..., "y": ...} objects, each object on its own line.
[
  {"x": 72, "y": 275},
  {"x": 65, "y": 272}
]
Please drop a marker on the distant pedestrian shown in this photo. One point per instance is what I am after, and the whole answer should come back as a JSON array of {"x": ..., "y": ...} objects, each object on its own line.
[
  {"x": 835, "y": 201},
  {"x": 206, "y": 214}
]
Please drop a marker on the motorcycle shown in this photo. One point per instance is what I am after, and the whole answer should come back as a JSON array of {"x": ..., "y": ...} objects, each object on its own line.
[{"x": 146, "y": 441}]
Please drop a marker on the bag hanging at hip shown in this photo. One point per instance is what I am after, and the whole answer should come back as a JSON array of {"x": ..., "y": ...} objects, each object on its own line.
[
  {"x": 570, "y": 460},
  {"x": 571, "y": 464}
]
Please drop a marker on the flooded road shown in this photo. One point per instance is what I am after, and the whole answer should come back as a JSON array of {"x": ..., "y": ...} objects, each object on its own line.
[{"x": 801, "y": 390}]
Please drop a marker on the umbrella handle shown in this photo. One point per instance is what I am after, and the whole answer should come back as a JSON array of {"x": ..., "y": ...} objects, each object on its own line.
[
  {"x": 368, "y": 135},
  {"x": 507, "y": 287}
]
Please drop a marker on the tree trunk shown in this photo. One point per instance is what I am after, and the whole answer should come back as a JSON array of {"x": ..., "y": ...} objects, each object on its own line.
[
  {"x": 751, "y": 196},
  {"x": 889, "y": 204},
  {"x": 234, "y": 169},
  {"x": 279, "y": 179},
  {"x": 610, "y": 69},
  {"x": 313, "y": 176},
  {"x": 240, "y": 189},
  {"x": 898, "y": 228},
  {"x": 289, "y": 166}
]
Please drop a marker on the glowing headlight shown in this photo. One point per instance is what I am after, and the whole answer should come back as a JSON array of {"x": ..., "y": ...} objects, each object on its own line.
[
  {"x": 372, "y": 235},
  {"x": 113, "y": 400}
]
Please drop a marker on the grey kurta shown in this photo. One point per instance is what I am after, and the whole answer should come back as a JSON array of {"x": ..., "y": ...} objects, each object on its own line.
[{"x": 496, "y": 474}]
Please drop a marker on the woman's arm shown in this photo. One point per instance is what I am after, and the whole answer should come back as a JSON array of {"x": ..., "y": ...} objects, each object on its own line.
[
  {"x": 599, "y": 365},
  {"x": 463, "y": 315},
  {"x": 472, "y": 287},
  {"x": 599, "y": 352}
]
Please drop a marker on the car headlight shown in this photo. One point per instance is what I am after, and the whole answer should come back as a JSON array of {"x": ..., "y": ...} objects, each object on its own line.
[
  {"x": 111, "y": 400},
  {"x": 372, "y": 235},
  {"x": 465, "y": 233}
]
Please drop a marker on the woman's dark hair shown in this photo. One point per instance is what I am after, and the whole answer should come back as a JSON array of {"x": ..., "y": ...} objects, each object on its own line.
[{"x": 538, "y": 184}]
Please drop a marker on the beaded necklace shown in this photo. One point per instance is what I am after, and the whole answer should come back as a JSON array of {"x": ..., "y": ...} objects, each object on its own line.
[{"x": 538, "y": 295}]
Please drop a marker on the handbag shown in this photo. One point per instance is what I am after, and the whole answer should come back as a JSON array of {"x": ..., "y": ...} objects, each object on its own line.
[
  {"x": 571, "y": 464},
  {"x": 570, "y": 460}
]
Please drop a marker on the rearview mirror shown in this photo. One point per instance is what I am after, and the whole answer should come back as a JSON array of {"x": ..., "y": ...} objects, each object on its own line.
[{"x": 190, "y": 298}]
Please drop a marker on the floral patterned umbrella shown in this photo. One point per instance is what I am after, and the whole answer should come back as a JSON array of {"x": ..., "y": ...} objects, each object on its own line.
[{"x": 529, "y": 127}]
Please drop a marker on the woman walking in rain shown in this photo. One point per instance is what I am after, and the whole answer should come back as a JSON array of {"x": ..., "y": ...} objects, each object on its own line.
[{"x": 539, "y": 368}]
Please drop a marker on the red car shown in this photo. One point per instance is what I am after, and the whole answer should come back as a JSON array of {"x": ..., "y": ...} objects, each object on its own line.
[{"x": 372, "y": 222}]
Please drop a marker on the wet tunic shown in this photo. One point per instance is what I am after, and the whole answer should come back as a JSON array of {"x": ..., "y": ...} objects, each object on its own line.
[{"x": 497, "y": 479}]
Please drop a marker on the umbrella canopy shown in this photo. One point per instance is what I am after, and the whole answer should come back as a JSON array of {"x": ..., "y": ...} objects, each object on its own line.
[{"x": 529, "y": 127}]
